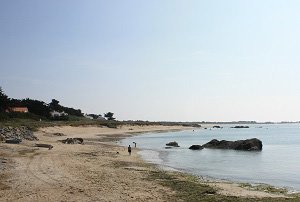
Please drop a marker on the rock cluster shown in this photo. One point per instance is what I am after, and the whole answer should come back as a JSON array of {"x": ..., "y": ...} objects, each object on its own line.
[
  {"x": 173, "y": 144},
  {"x": 196, "y": 147},
  {"x": 253, "y": 144},
  {"x": 240, "y": 127},
  {"x": 19, "y": 133},
  {"x": 76, "y": 140},
  {"x": 217, "y": 127}
]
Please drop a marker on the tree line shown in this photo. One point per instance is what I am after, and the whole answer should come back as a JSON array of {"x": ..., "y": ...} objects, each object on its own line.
[{"x": 41, "y": 108}]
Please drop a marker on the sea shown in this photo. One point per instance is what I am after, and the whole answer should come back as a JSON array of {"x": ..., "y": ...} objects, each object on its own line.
[{"x": 278, "y": 164}]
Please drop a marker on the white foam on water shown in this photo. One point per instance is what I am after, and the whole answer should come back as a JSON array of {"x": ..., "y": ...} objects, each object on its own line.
[{"x": 152, "y": 156}]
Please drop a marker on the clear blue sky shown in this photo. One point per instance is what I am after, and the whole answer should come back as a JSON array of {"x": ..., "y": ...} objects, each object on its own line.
[{"x": 156, "y": 60}]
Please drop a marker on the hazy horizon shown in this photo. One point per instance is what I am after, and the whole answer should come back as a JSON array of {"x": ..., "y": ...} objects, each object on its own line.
[{"x": 156, "y": 60}]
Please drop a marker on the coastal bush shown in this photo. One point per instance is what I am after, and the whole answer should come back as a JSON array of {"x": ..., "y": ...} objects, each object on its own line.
[
  {"x": 111, "y": 125},
  {"x": 3, "y": 116},
  {"x": 60, "y": 118},
  {"x": 20, "y": 115},
  {"x": 109, "y": 116}
]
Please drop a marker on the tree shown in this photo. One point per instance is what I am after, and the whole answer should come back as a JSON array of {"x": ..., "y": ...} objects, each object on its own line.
[
  {"x": 55, "y": 106},
  {"x": 72, "y": 111},
  {"x": 4, "y": 101},
  {"x": 109, "y": 116},
  {"x": 15, "y": 103},
  {"x": 37, "y": 107}
]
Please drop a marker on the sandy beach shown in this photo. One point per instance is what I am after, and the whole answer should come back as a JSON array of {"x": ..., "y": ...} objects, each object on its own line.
[{"x": 98, "y": 170}]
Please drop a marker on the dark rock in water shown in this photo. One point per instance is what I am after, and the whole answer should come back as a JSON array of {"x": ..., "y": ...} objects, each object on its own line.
[
  {"x": 13, "y": 141},
  {"x": 72, "y": 141},
  {"x": 246, "y": 145},
  {"x": 173, "y": 144},
  {"x": 196, "y": 147},
  {"x": 240, "y": 127},
  {"x": 217, "y": 127},
  {"x": 168, "y": 147}
]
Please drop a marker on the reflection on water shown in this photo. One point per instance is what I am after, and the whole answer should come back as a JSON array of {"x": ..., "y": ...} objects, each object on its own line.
[{"x": 278, "y": 164}]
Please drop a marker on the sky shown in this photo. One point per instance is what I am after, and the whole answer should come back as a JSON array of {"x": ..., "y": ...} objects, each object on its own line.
[{"x": 156, "y": 60}]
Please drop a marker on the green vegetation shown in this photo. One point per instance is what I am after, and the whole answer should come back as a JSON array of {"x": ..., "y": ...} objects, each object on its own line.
[
  {"x": 55, "y": 106},
  {"x": 3, "y": 101},
  {"x": 264, "y": 187},
  {"x": 37, "y": 109},
  {"x": 109, "y": 116},
  {"x": 39, "y": 115},
  {"x": 34, "y": 124},
  {"x": 188, "y": 188}
]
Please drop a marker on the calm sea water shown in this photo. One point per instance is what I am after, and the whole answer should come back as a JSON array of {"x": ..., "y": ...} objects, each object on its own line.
[{"x": 277, "y": 164}]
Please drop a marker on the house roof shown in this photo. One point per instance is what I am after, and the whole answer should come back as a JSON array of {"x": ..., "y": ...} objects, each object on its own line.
[{"x": 19, "y": 109}]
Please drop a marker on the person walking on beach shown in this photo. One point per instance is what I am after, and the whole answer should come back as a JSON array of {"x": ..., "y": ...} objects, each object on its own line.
[{"x": 129, "y": 150}]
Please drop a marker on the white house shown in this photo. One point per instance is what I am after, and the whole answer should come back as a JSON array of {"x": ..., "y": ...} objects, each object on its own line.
[
  {"x": 58, "y": 114},
  {"x": 88, "y": 117},
  {"x": 101, "y": 118}
]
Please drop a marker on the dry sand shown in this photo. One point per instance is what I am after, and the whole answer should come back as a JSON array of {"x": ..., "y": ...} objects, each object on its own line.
[{"x": 99, "y": 170}]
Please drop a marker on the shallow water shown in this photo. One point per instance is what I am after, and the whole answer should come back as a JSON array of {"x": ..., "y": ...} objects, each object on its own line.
[{"x": 277, "y": 164}]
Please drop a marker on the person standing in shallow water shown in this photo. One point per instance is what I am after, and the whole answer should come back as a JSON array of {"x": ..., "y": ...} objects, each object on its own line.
[{"x": 129, "y": 150}]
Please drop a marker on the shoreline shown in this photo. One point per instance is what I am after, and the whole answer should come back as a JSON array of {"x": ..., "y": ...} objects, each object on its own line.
[
  {"x": 100, "y": 170},
  {"x": 231, "y": 187},
  {"x": 250, "y": 183},
  {"x": 218, "y": 181}
]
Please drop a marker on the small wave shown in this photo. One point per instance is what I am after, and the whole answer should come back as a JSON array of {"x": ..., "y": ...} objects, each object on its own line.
[{"x": 151, "y": 156}]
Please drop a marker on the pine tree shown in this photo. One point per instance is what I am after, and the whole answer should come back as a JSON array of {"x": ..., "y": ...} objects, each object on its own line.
[{"x": 4, "y": 101}]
